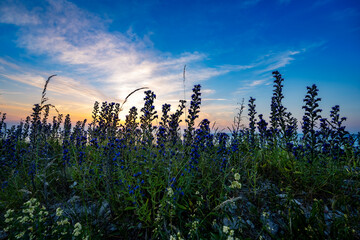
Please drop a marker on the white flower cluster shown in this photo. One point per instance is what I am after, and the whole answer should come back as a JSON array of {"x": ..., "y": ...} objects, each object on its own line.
[
  {"x": 236, "y": 184},
  {"x": 194, "y": 227},
  {"x": 230, "y": 233},
  {"x": 32, "y": 215},
  {"x": 170, "y": 192},
  {"x": 176, "y": 237},
  {"x": 32, "y": 223},
  {"x": 77, "y": 229}
]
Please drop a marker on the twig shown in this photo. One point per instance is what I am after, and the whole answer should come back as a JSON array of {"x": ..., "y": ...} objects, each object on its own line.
[{"x": 121, "y": 108}]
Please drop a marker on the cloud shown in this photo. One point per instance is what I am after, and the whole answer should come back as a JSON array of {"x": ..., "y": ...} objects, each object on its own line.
[
  {"x": 256, "y": 83},
  {"x": 122, "y": 62},
  {"x": 59, "y": 84},
  {"x": 17, "y": 14},
  {"x": 248, "y": 86},
  {"x": 274, "y": 61},
  {"x": 208, "y": 91},
  {"x": 268, "y": 63},
  {"x": 115, "y": 63},
  {"x": 214, "y": 99}
]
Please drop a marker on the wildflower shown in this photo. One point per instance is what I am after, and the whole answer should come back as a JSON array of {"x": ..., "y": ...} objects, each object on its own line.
[
  {"x": 214, "y": 222},
  {"x": 252, "y": 119},
  {"x": 237, "y": 176},
  {"x": 59, "y": 212},
  {"x": 8, "y": 213},
  {"x": 170, "y": 192},
  {"x": 226, "y": 229},
  {"x": 77, "y": 229},
  {"x": 24, "y": 219},
  {"x": 235, "y": 184},
  {"x": 63, "y": 222},
  {"x": 194, "y": 226},
  {"x": 179, "y": 236},
  {"x": 7, "y": 220},
  {"x": 20, "y": 235}
]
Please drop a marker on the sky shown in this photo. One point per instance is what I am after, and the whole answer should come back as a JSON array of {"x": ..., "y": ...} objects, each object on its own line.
[{"x": 101, "y": 50}]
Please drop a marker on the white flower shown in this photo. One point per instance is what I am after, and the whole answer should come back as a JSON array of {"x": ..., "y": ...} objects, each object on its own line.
[
  {"x": 8, "y": 213},
  {"x": 20, "y": 235},
  {"x": 237, "y": 176},
  {"x": 77, "y": 230},
  {"x": 235, "y": 184},
  {"x": 170, "y": 192},
  {"x": 59, "y": 212},
  {"x": 226, "y": 229}
]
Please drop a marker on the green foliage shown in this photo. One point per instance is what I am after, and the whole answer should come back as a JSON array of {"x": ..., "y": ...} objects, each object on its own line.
[{"x": 142, "y": 181}]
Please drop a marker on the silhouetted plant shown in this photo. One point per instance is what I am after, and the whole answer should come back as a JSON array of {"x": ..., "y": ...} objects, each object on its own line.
[
  {"x": 263, "y": 131},
  {"x": 290, "y": 134},
  {"x": 277, "y": 115},
  {"x": 252, "y": 120},
  {"x": 131, "y": 125},
  {"x": 149, "y": 114},
  {"x": 67, "y": 127},
  {"x": 174, "y": 123},
  {"x": 35, "y": 124},
  {"x": 194, "y": 111},
  {"x": 312, "y": 115},
  {"x": 338, "y": 135},
  {"x": 163, "y": 130},
  {"x": 93, "y": 127}
]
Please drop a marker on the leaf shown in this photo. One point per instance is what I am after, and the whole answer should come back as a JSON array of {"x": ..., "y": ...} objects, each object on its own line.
[
  {"x": 181, "y": 206},
  {"x": 130, "y": 208}
]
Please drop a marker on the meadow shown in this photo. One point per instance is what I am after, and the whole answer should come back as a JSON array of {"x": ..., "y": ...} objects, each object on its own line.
[{"x": 139, "y": 180}]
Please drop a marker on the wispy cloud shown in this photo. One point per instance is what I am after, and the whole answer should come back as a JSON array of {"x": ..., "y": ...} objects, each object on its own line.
[
  {"x": 266, "y": 64},
  {"x": 208, "y": 91},
  {"x": 59, "y": 84},
  {"x": 122, "y": 62},
  {"x": 248, "y": 86},
  {"x": 256, "y": 83},
  {"x": 274, "y": 61},
  {"x": 17, "y": 14}
]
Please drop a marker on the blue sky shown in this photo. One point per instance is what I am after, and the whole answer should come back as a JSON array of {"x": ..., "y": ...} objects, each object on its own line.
[{"x": 103, "y": 50}]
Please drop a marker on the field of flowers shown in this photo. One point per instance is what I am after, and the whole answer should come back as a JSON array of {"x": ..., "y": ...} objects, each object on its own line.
[{"x": 138, "y": 180}]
